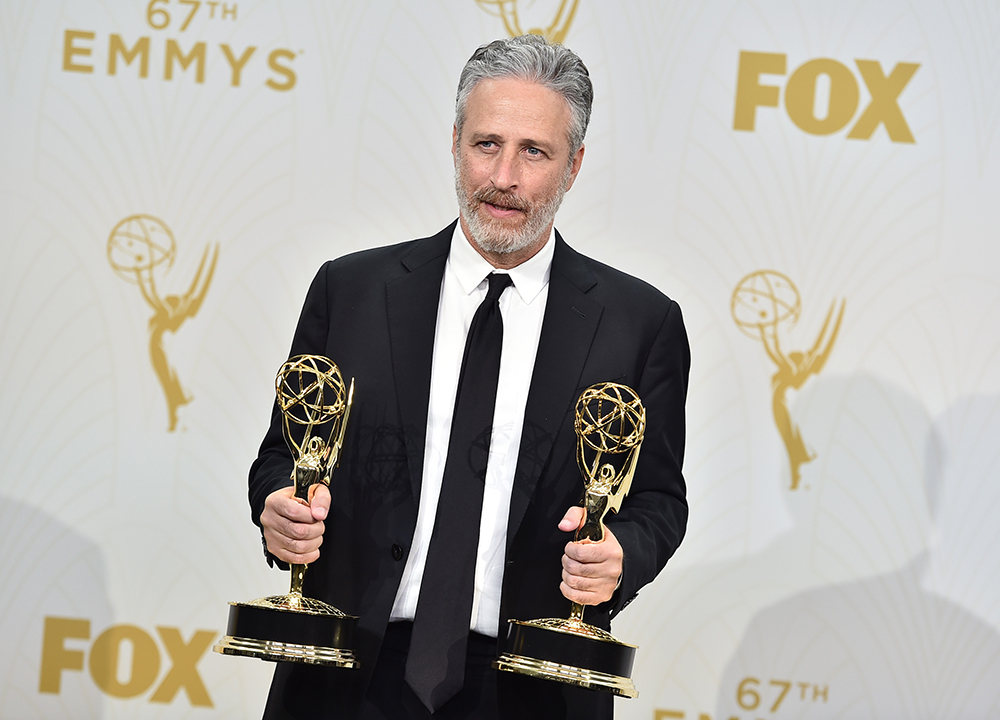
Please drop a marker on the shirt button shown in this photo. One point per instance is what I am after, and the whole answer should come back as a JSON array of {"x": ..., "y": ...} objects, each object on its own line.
[{"x": 397, "y": 552}]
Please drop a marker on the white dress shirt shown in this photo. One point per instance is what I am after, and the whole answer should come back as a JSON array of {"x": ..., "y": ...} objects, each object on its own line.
[{"x": 522, "y": 307}]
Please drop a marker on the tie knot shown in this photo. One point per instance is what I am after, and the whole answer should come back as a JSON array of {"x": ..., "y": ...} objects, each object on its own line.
[{"x": 498, "y": 283}]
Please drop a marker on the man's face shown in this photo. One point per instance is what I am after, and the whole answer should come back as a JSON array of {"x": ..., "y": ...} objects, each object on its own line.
[{"x": 512, "y": 167}]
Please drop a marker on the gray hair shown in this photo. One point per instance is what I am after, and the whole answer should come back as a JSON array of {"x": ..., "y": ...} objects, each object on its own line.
[{"x": 532, "y": 57}]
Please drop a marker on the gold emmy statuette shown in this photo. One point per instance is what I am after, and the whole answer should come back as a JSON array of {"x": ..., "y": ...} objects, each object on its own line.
[
  {"x": 610, "y": 421},
  {"x": 292, "y": 627}
]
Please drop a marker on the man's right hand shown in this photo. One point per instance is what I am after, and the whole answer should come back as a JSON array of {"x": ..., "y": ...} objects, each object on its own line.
[{"x": 293, "y": 530}]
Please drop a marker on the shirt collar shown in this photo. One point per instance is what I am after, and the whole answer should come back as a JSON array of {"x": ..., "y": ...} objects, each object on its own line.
[{"x": 471, "y": 268}]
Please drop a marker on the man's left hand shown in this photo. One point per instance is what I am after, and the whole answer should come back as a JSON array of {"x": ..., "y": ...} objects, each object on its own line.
[{"x": 590, "y": 570}]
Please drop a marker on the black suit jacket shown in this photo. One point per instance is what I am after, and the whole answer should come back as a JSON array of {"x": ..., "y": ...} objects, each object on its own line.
[{"x": 374, "y": 314}]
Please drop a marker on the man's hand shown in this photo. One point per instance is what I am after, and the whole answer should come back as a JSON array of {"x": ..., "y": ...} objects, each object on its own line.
[
  {"x": 292, "y": 529},
  {"x": 590, "y": 570}
]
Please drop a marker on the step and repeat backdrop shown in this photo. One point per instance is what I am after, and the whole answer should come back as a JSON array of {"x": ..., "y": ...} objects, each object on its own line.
[{"x": 817, "y": 184}]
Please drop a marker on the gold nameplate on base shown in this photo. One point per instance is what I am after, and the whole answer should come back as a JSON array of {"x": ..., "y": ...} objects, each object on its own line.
[
  {"x": 610, "y": 420},
  {"x": 292, "y": 627}
]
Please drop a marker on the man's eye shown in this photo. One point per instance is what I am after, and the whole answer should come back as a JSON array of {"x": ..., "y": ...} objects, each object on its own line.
[
  {"x": 534, "y": 151},
  {"x": 486, "y": 144}
]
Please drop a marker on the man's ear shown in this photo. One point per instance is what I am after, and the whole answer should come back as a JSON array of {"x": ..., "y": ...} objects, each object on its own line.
[
  {"x": 575, "y": 167},
  {"x": 454, "y": 142}
]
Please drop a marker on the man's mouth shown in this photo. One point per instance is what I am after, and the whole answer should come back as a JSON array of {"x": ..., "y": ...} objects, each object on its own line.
[
  {"x": 500, "y": 206},
  {"x": 501, "y": 211}
]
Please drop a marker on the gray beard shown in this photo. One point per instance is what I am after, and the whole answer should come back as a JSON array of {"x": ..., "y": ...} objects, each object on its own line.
[{"x": 492, "y": 237}]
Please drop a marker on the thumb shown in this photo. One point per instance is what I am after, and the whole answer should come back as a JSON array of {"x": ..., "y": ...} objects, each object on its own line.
[
  {"x": 319, "y": 501},
  {"x": 572, "y": 519}
]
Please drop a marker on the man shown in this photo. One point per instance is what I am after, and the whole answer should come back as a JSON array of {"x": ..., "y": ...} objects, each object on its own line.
[{"x": 396, "y": 319}]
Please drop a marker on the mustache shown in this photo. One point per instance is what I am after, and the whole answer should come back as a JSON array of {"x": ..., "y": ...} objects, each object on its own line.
[{"x": 500, "y": 198}]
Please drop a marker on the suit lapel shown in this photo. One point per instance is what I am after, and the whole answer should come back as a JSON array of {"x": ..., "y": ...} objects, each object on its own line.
[
  {"x": 412, "y": 305},
  {"x": 568, "y": 328}
]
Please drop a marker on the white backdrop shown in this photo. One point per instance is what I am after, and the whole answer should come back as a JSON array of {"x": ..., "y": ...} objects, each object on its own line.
[{"x": 871, "y": 590}]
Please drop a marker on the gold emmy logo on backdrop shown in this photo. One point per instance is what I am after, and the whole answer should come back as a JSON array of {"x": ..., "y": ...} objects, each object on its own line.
[
  {"x": 506, "y": 10},
  {"x": 762, "y": 303},
  {"x": 139, "y": 248}
]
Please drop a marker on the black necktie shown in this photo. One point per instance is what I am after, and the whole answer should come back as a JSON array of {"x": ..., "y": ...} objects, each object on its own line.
[{"x": 435, "y": 665}]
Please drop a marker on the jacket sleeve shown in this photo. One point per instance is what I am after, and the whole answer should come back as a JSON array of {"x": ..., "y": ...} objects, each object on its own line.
[
  {"x": 653, "y": 518},
  {"x": 273, "y": 467}
]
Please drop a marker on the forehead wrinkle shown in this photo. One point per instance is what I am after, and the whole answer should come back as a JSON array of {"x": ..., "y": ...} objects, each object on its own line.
[{"x": 522, "y": 103}]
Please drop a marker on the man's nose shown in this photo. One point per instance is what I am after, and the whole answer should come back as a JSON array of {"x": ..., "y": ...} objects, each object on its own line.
[{"x": 506, "y": 171}]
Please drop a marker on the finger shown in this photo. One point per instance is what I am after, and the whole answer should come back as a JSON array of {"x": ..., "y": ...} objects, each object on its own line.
[
  {"x": 292, "y": 541},
  {"x": 582, "y": 583},
  {"x": 579, "y": 569},
  {"x": 590, "y": 552},
  {"x": 592, "y": 575},
  {"x": 293, "y": 551},
  {"x": 608, "y": 549},
  {"x": 584, "y": 597},
  {"x": 594, "y": 567},
  {"x": 588, "y": 590},
  {"x": 291, "y": 533},
  {"x": 572, "y": 520},
  {"x": 574, "y": 595},
  {"x": 301, "y": 531},
  {"x": 284, "y": 504},
  {"x": 319, "y": 501}
]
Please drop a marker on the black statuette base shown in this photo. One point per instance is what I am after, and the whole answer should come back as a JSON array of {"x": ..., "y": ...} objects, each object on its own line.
[
  {"x": 559, "y": 651},
  {"x": 286, "y": 635}
]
